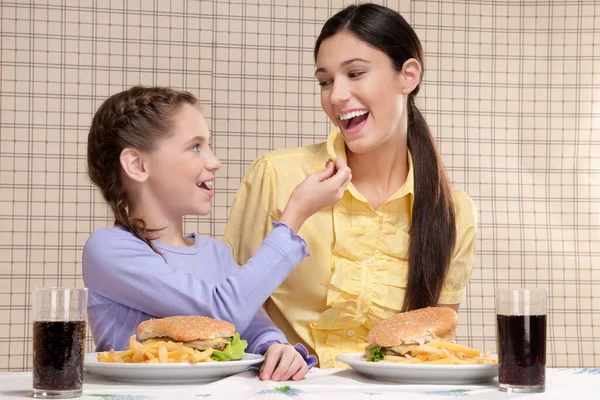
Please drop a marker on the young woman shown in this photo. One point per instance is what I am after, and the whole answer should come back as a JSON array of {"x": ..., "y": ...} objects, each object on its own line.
[{"x": 400, "y": 238}]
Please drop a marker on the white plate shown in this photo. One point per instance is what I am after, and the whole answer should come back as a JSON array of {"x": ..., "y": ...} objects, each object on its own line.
[
  {"x": 436, "y": 374},
  {"x": 169, "y": 373}
]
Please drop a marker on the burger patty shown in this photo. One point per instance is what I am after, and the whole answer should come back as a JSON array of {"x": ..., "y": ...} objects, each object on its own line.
[
  {"x": 399, "y": 350},
  {"x": 217, "y": 344},
  {"x": 402, "y": 349}
]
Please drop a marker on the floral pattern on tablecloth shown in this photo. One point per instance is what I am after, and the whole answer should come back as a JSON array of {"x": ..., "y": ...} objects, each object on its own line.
[
  {"x": 448, "y": 392},
  {"x": 118, "y": 396},
  {"x": 588, "y": 371},
  {"x": 285, "y": 390}
]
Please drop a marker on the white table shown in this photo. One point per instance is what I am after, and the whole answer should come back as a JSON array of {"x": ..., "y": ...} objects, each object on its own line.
[{"x": 569, "y": 384}]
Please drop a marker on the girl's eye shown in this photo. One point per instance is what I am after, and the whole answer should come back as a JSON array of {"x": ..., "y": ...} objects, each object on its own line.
[
  {"x": 324, "y": 83},
  {"x": 355, "y": 74},
  {"x": 195, "y": 147}
]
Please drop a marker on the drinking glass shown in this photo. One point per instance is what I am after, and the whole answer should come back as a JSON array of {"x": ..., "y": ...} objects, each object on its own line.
[
  {"x": 521, "y": 329},
  {"x": 59, "y": 324}
]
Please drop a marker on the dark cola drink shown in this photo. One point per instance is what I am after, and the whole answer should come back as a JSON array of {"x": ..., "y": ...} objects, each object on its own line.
[
  {"x": 58, "y": 350},
  {"x": 522, "y": 350}
]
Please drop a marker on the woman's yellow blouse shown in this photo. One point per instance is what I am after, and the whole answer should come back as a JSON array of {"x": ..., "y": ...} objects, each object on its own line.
[{"x": 357, "y": 270}]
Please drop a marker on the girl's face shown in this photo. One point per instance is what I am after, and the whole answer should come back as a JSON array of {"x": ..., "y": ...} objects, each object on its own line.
[
  {"x": 182, "y": 167},
  {"x": 361, "y": 92}
]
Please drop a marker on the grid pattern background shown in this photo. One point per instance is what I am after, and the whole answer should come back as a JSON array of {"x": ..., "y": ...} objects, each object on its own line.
[{"x": 511, "y": 91}]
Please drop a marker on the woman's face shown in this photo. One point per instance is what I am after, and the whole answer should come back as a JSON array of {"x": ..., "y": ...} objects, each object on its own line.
[{"x": 361, "y": 92}]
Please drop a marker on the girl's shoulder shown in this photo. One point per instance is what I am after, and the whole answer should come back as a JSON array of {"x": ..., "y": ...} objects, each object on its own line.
[
  {"x": 114, "y": 237},
  {"x": 107, "y": 247},
  {"x": 112, "y": 233},
  {"x": 120, "y": 237},
  {"x": 203, "y": 246}
]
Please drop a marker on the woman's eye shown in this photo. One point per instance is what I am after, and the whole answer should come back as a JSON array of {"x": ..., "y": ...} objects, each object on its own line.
[
  {"x": 324, "y": 83},
  {"x": 355, "y": 74},
  {"x": 195, "y": 147}
]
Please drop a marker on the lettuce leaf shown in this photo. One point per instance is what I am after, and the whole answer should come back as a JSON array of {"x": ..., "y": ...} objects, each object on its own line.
[
  {"x": 233, "y": 351},
  {"x": 376, "y": 354}
]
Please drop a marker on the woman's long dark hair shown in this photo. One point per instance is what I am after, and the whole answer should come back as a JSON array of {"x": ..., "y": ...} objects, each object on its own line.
[{"x": 433, "y": 228}]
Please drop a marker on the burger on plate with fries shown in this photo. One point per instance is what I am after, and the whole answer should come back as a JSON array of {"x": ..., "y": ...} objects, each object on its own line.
[
  {"x": 423, "y": 336},
  {"x": 180, "y": 339}
]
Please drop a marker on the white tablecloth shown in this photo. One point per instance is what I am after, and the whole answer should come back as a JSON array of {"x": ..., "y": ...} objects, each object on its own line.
[{"x": 569, "y": 384}]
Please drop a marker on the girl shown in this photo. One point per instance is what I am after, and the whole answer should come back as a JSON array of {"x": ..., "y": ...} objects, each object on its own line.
[
  {"x": 400, "y": 238},
  {"x": 149, "y": 153}
]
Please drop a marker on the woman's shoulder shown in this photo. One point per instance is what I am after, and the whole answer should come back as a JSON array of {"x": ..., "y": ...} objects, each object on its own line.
[
  {"x": 281, "y": 158},
  {"x": 466, "y": 210},
  {"x": 292, "y": 163}
]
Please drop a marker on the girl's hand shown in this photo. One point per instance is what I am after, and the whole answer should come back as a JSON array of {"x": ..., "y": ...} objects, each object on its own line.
[
  {"x": 283, "y": 362},
  {"x": 319, "y": 190}
]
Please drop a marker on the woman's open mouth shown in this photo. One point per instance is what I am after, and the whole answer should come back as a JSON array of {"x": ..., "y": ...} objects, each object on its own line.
[{"x": 352, "y": 122}]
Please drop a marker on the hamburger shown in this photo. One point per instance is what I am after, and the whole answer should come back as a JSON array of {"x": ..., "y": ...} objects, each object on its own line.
[
  {"x": 201, "y": 333},
  {"x": 404, "y": 332}
]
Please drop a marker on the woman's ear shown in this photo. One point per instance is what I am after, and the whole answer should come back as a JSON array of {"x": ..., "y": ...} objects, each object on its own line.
[
  {"x": 134, "y": 164},
  {"x": 411, "y": 75}
]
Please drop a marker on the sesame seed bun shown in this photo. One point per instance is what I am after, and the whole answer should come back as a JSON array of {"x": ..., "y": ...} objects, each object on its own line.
[
  {"x": 415, "y": 327},
  {"x": 185, "y": 328}
]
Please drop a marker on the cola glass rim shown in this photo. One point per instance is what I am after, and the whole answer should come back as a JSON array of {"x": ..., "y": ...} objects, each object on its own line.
[{"x": 524, "y": 295}]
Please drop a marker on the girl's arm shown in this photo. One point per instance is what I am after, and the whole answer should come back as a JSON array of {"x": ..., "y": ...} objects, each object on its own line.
[{"x": 122, "y": 268}]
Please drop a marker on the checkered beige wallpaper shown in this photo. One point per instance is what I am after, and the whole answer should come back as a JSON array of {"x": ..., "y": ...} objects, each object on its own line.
[{"x": 512, "y": 92}]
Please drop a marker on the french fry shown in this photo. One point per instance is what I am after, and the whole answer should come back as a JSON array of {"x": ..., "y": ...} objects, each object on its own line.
[
  {"x": 331, "y": 149},
  {"x": 200, "y": 356},
  {"x": 424, "y": 348},
  {"x": 133, "y": 344},
  {"x": 439, "y": 361},
  {"x": 172, "y": 346},
  {"x": 139, "y": 355},
  {"x": 127, "y": 354},
  {"x": 114, "y": 356},
  {"x": 163, "y": 355},
  {"x": 397, "y": 359},
  {"x": 154, "y": 351},
  {"x": 442, "y": 353},
  {"x": 456, "y": 348},
  {"x": 180, "y": 353}
]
